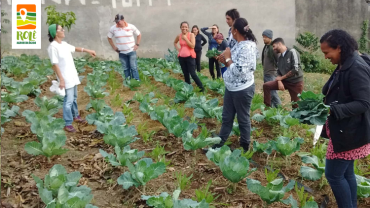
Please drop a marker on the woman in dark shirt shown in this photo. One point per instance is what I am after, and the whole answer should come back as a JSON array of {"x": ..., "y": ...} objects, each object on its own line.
[
  {"x": 212, "y": 44},
  {"x": 348, "y": 126},
  {"x": 200, "y": 41}
]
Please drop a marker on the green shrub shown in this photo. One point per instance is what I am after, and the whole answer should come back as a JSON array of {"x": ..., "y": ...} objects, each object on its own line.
[
  {"x": 363, "y": 43},
  {"x": 312, "y": 60},
  {"x": 63, "y": 19}
]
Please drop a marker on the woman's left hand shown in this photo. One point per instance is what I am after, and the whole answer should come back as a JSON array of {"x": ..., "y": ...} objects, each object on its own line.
[{"x": 92, "y": 53}]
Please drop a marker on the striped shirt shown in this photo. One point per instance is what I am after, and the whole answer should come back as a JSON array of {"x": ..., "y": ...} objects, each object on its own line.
[{"x": 125, "y": 40}]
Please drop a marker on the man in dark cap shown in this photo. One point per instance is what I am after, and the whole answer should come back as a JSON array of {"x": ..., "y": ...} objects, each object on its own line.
[
  {"x": 269, "y": 63},
  {"x": 123, "y": 33}
]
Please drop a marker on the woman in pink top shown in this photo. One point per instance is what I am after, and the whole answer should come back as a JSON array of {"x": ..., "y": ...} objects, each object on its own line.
[
  {"x": 348, "y": 126},
  {"x": 187, "y": 54}
]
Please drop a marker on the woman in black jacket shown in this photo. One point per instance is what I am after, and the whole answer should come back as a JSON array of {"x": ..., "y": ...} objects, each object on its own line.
[
  {"x": 200, "y": 41},
  {"x": 348, "y": 126}
]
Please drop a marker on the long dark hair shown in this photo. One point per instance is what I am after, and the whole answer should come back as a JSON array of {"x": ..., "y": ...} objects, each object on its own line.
[
  {"x": 344, "y": 40},
  {"x": 242, "y": 26},
  {"x": 195, "y": 26},
  {"x": 51, "y": 39},
  {"x": 233, "y": 13}
]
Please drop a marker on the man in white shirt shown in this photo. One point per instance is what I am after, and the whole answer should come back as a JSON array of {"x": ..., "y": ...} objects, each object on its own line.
[{"x": 123, "y": 33}]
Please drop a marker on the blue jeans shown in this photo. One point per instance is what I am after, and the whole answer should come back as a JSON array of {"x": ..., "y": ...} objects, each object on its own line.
[
  {"x": 70, "y": 109},
  {"x": 223, "y": 69},
  {"x": 129, "y": 65},
  {"x": 341, "y": 177},
  {"x": 275, "y": 100}
]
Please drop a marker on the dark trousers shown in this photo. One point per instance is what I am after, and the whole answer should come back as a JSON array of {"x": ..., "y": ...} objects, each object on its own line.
[
  {"x": 293, "y": 88},
  {"x": 188, "y": 69},
  {"x": 212, "y": 63},
  {"x": 237, "y": 103},
  {"x": 275, "y": 100},
  {"x": 197, "y": 60},
  {"x": 341, "y": 177}
]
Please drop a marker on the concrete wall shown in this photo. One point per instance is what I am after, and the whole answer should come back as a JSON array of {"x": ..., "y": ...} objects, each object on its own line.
[
  {"x": 320, "y": 16},
  {"x": 159, "y": 20}
]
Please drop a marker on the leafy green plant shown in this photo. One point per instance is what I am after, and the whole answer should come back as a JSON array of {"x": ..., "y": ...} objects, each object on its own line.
[
  {"x": 363, "y": 187},
  {"x": 170, "y": 119},
  {"x": 294, "y": 204},
  {"x": 158, "y": 152},
  {"x": 248, "y": 154},
  {"x": 183, "y": 181},
  {"x": 146, "y": 101},
  {"x": 113, "y": 83},
  {"x": 126, "y": 109},
  {"x": 95, "y": 91},
  {"x": 288, "y": 122},
  {"x": 234, "y": 167},
  {"x": 274, "y": 191},
  {"x": 118, "y": 135},
  {"x": 172, "y": 56},
  {"x": 116, "y": 101},
  {"x": 202, "y": 140},
  {"x": 131, "y": 83},
  {"x": 7, "y": 113},
  {"x": 304, "y": 201},
  {"x": 359, "y": 168},
  {"x": 105, "y": 115},
  {"x": 257, "y": 102},
  {"x": 217, "y": 86},
  {"x": 263, "y": 147},
  {"x": 35, "y": 79},
  {"x": 319, "y": 150},
  {"x": 218, "y": 154},
  {"x": 310, "y": 173},
  {"x": 98, "y": 78},
  {"x": 147, "y": 136},
  {"x": 205, "y": 108},
  {"x": 13, "y": 97},
  {"x": 184, "y": 93},
  {"x": 204, "y": 193},
  {"x": 50, "y": 134},
  {"x": 271, "y": 115},
  {"x": 180, "y": 109},
  {"x": 122, "y": 155},
  {"x": 80, "y": 64},
  {"x": 130, "y": 117},
  {"x": 271, "y": 175},
  {"x": 59, "y": 189},
  {"x": 63, "y": 19},
  {"x": 143, "y": 171},
  {"x": 286, "y": 146},
  {"x": 164, "y": 200},
  {"x": 48, "y": 106},
  {"x": 96, "y": 104},
  {"x": 213, "y": 53},
  {"x": 311, "y": 109}
]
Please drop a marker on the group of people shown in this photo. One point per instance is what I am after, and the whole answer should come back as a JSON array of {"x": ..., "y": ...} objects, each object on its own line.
[{"x": 346, "y": 92}]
